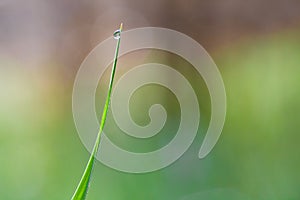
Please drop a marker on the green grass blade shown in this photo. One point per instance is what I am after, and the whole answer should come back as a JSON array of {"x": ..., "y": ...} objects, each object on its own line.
[{"x": 82, "y": 188}]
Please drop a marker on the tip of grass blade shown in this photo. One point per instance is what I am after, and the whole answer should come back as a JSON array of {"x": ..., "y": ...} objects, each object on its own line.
[{"x": 121, "y": 26}]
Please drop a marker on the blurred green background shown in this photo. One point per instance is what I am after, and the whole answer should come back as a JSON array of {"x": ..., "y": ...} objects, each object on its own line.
[{"x": 256, "y": 46}]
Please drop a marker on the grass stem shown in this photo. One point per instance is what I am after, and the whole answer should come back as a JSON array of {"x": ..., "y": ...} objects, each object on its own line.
[{"x": 82, "y": 188}]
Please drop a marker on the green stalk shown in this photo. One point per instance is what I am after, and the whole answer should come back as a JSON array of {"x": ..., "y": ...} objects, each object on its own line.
[{"x": 82, "y": 188}]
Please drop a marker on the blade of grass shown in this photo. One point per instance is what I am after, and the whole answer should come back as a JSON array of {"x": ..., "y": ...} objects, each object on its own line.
[{"x": 82, "y": 188}]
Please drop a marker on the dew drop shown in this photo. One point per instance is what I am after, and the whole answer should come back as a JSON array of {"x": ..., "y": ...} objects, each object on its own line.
[{"x": 117, "y": 34}]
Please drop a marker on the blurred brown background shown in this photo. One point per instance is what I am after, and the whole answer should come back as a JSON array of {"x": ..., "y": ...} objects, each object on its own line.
[{"x": 38, "y": 31}]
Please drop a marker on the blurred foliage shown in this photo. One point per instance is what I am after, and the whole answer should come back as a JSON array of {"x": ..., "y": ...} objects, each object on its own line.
[{"x": 257, "y": 156}]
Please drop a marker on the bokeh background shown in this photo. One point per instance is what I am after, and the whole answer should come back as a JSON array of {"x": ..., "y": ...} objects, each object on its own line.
[{"x": 256, "y": 45}]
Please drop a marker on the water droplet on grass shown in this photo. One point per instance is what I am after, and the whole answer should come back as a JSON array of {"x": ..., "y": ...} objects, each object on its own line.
[{"x": 117, "y": 34}]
